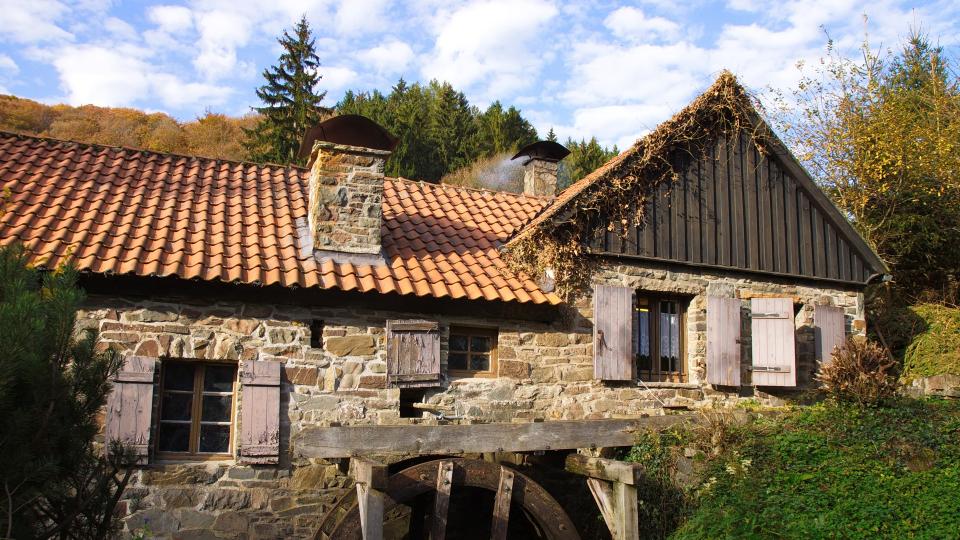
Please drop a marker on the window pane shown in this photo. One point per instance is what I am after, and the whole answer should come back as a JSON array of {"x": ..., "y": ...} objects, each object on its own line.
[
  {"x": 480, "y": 362},
  {"x": 219, "y": 378},
  {"x": 457, "y": 361},
  {"x": 174, "y": 437},
  {"x": 178, "y": 376},
  {"x": 214, "y": 438},
  {"x": 480, "y": 344},
  {"x": 176, "y": 406},
  {"x": 643, "y": 333},
  {"x": 458, "y": 342},
  {"x": 216, "y": 408}
]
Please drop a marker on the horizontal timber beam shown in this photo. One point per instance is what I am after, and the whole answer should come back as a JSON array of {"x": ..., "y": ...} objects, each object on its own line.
[
  {"x": 605, "y": 469},
  {"x": 348, "y": 441}
]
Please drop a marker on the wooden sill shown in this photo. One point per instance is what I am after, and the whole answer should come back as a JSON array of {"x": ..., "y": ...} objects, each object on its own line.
[
  {"x": 669, "y": 384},
  {"x": 472, "y": 374},
  {"x": 170, "y": 457}
]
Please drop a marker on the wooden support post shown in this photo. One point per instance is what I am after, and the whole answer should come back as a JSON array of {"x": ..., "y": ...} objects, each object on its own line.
[
  {"x": 441, "y": 503},
  {"x": 613, "y": 485},
  {"x": 501, "y": 506},
  {"x": 371, "y": 480}
]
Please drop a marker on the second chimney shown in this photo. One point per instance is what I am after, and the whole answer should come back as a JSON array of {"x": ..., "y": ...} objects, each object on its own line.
[{"x": 540, "y": 167}]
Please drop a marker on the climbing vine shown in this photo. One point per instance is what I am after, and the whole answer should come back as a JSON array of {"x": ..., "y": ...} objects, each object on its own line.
[{"x": 618, "y": 191}]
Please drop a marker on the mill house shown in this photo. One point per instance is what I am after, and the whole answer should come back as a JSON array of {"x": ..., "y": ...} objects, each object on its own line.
[{"x": 326, "y": 352}]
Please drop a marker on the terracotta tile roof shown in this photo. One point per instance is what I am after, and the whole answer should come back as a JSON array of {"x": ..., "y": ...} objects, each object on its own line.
[{"x": 123, "y": 211}]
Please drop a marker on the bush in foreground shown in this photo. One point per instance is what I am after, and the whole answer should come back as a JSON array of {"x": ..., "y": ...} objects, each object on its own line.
[{"x": 860, "y": 372}]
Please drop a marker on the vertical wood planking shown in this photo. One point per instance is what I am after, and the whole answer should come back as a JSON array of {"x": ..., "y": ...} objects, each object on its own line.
[
  {"x": 751, "y": 208},
  {"x": 738, "y": 235},
  {"x": 441, "y": 502},
  {"x": 830, "y": 250},
  {"x": 613, "y": 333},
  {"x": 501, "y": 505},
  {"x": 778, "y": 218},
  {"x": 722, "y": 186},
  {"x": 829, "y": 328},
  {"x": 130, "y": 406},
  {"x": 649, "y": 228},
  {"x": 806, "y": 235},
  {"x": 259, "y": 441},
  {"x": 694, "y": 226},
  {"x": 773, "y": 343},
  {"x": 766, "y": 200},
  {"x": 708, "y": 207},
  {"x": 792, "y": 225},
  {"x": 664, "y": 239},
  {"x": 676, "y": 196},
  {"x": 723, "y": 341},
  {"x": 413, "y": 353}
]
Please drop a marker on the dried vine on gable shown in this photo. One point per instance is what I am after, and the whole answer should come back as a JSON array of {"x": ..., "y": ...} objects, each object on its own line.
[{"x": 618, "y": 191}]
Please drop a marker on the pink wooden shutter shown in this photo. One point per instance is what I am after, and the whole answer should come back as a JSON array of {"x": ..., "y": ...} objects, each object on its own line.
[
  {"x": 259, "y": 441},
  {"x": 828, "y": 325},
  {"x": 612, "y": 333},
  {"x": 413, "y": 353},
  {"x": 774, "y": 346},
  {"x": 130, "y": 405},
  {"x": 723, "y": 341}
]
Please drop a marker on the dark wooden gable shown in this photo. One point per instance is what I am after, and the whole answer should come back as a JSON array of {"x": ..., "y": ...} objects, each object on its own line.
[{"x": 734, "y": 208}]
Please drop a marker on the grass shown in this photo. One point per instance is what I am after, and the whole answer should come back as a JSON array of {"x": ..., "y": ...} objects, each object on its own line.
[
  {"x": 823, "y": 471},
  {"x": 935, "y": 348}
]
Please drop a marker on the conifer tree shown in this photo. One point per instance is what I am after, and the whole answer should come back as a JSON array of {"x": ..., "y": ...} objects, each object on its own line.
[
  {"x": 291, "y": 101},
  {"x": 551, "y": 135}
]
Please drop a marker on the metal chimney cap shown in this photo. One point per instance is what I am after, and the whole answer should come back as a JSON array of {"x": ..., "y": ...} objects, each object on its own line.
[
  {"x": 545, "y": 150},
  {"x": 350, "y": 130}
]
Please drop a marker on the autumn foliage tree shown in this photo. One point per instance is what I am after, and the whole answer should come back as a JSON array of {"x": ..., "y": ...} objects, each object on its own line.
[{"x": 881, "y": 133}]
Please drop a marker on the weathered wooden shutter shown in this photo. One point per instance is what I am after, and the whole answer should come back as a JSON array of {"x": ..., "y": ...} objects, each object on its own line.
[
  {"x": 259, "y": 441},
  {"x": 413, "y": 353},
  {"x": 723, "y": 341},
  {"x": 828, "y": 325},
  {"x": 130, "y": 405},
  {"x": 774, "y": 345},
  {"x": 612, "y": 333}
]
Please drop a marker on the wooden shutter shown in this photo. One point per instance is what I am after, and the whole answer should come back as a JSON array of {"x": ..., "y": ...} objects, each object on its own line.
[
  {"x": 130, "y": 405},
  {"x": 723, "y": 341},
  {"x": 828, "y": 324},
  {"x": 612, "y": 333},
  {"x": 413, "y": 353},
  {"x": 774, "y": 347},
  {"x": 259, "y": 441}
]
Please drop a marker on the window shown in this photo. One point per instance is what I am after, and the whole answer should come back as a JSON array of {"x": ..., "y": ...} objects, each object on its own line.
[
  {"x": 196, "y": 408},
  {"x": 472, "y": 352},
  {"x": 658, "y": 339}
]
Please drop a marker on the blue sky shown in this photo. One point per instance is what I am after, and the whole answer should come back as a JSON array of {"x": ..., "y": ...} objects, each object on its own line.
[{"x": 610, "y": 69}]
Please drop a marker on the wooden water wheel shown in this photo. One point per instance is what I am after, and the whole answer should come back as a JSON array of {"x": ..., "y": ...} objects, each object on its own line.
[{"x": 462, "y": 498}]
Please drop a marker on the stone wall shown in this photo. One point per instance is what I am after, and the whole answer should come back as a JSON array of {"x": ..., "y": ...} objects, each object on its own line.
[
  {"x": 545, "y": 372},
  {"x": 540, "y": 178},
  {"x": 346, "y": 195}
]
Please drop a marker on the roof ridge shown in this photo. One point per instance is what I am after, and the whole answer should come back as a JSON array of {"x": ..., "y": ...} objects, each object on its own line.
[{"x": 131, "y": 149}]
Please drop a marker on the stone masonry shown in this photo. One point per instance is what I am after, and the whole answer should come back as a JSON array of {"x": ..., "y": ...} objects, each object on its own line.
[
  {"x": 346, "y": 192},
  {"x": 540, "y": 177},
  {"x": 545, "y": 372}
]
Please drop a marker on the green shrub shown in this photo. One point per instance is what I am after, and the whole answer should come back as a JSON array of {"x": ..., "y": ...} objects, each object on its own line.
[
  {"x": 860, "y": 372},
  {"x": 935, "y": 347},
  {"x": 836, "y": 470}
]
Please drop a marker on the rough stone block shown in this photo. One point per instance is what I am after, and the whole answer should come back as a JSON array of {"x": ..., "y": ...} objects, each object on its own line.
[
  {"x": 362, "y": 345},
  {"x": 307, "y": 376},
  {"x": 514, "y": 368}
]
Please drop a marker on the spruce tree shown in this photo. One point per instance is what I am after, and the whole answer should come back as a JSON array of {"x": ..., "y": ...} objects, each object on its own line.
[{"x": 291, "y": 101}]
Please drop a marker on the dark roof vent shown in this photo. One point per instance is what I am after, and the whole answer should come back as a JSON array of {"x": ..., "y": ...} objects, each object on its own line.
[
  {"x": 545, "y": 150},
  {"x": 351, "y": 130}
]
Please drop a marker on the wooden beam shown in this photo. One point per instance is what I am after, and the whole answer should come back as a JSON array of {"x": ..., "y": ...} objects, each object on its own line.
[
  {"x": 501, "y": 506},
  {"x": 371, "y": 479},
  {"x": 347, "y": 441},
  {"x": 605, "y": 469},
  {"x": 618, "y": 506},
  {"x": 441, "y": 503}
]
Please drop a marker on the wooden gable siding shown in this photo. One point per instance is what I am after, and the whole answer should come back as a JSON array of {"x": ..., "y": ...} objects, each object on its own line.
[{"x": 735, "y": 208}]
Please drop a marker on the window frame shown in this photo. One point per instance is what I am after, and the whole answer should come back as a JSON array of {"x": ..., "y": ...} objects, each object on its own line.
[
  {"x": 195, "y": 412},
  {"x": 474, "y": 331},
  {"x": 655, "y": 374}
]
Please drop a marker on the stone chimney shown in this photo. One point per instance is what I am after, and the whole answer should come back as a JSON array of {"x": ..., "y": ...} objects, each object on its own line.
[
  {"x": 347, "y": 157},
  {"x": 540, "y": 166}
]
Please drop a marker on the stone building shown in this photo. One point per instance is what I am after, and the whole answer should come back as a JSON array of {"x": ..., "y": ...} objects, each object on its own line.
[{"x": 274, "y": 318}]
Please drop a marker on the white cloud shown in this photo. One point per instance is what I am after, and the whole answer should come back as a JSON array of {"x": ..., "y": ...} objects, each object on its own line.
[
  {"x": 172, "y": 19},
  {"x": 120, "y": 76},
  {"x": 337, "y": 78},
  {"x": 356, "y": 17},
  {"x": 388, "y": 58},
  {"x": 7, "y": 64},
  {"x": 632, "y": 24},
  {"x": 32, "y": 21},
  {"x": 495, "y": 43},
  {"x": 120, "y": 29},
  {"x": 221, "y": 32}
]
